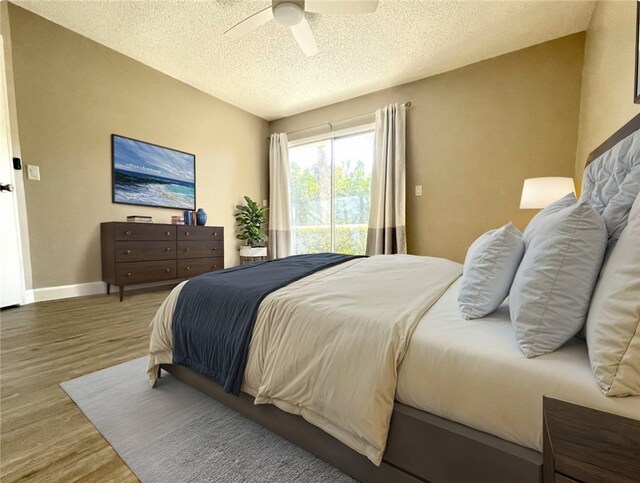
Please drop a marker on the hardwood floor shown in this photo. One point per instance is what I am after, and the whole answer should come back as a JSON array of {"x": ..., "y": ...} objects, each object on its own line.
[{"x": 43, "y": 434}]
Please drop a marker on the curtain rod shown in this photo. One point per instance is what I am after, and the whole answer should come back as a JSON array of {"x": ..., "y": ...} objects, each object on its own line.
[{"x": 406, "y": 104}]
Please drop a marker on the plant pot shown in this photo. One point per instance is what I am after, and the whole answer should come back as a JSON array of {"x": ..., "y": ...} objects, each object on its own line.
[{"x": 246, "y": 251}]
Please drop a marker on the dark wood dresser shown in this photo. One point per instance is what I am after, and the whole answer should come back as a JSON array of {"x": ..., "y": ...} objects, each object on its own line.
[{"x": 134, "y": 253}]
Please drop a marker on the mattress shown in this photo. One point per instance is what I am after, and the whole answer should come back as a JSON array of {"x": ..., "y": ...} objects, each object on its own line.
[{"x": 473, "y": 372}]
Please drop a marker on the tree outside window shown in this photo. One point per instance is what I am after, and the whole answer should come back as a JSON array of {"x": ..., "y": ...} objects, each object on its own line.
[{"x": 330, "y": 182}]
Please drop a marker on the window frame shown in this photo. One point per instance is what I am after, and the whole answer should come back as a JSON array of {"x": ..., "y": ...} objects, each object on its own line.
[
  {"x": 361, "y": 128},
  {"x": 331, "y": 136}
]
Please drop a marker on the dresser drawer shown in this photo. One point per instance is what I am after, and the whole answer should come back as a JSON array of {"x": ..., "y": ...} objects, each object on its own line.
[
  {"x": 143, "y": 231},
  {"x": 137, "y": 251},
  {"x": 201, "y": 233},
  {"x": 200, "y": 249},
  {"x": 198, "y": 266},
  {"x": 140, "y": 272}
]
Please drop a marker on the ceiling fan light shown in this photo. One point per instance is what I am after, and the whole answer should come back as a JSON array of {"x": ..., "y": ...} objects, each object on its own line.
[{"x": 288, "y": 13}]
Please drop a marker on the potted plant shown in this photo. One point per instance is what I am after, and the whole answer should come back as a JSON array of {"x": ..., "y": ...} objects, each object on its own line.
[{"x": 251, "y": 219}]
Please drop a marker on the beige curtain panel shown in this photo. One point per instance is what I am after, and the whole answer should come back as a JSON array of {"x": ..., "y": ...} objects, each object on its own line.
[
  {"x": 387, "y": 231},
  {"x": 279, "y": 203}
]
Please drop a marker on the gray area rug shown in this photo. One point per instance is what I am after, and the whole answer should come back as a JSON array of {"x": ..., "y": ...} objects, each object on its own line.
[{"x": 174, "y": 433}]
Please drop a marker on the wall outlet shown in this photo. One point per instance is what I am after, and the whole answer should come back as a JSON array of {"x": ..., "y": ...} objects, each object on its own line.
[
  {"x": 33, "y": 172},
  {"x": 419, "y": 190},
  {"x": 264, "y": 203}
]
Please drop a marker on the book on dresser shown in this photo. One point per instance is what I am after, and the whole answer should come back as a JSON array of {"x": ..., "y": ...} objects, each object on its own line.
[
  {"x": 136, "y": 253},
  {"x": 139, "y": 219}
]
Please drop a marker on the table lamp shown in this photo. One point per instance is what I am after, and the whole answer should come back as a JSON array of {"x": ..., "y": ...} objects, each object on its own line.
[{"x": 538, "y": 193}]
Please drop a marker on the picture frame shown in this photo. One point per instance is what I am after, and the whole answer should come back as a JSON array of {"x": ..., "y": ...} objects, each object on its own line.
[
  {"x": 636, "y": 94},
  {"x": 147, "y": 174}
]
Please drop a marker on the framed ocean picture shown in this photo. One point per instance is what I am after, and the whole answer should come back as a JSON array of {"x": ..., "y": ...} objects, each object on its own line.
[{"x": 150, "y": 175}]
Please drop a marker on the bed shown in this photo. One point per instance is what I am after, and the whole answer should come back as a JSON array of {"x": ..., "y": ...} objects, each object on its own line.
[{"x": 465, "y": 404}]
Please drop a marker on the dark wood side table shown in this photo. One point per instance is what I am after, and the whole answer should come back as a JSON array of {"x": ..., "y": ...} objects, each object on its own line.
[{"x": 581, "y": 444}]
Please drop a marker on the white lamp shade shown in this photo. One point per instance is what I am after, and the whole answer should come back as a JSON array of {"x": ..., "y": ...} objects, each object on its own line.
[{"x": 539, "y": 193}]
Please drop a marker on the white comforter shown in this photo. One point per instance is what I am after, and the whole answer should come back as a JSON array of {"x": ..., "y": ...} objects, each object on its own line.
[{"x": 328, "y": 347}]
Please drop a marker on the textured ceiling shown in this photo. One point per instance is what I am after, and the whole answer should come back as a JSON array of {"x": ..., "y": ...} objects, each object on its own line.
[{"x": 267, "y": 74}]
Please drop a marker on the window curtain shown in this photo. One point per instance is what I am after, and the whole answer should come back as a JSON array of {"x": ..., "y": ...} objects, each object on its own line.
[
  {"x": 279, "y": 203},
  {"x": 387, "y": 232}
]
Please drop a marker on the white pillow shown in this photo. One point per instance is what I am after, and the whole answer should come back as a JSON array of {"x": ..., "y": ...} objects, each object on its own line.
[
  {"x": 551, "y": 291},
  {"x": 613, "y": 324},
  {"x": 489, "y": 268},
  {"x": 535, "y": 223}
]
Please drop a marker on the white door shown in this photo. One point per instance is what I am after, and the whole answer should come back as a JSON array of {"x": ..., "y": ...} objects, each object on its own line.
[{"x": 11, "y": 271}]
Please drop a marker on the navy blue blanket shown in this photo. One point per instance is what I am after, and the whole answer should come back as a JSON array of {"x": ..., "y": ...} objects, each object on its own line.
[{"x": 215, "y": 313}]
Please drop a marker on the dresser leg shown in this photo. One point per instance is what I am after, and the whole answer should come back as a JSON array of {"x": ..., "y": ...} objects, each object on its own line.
[
  {"x": 108, "y": 288},
  {"x": 121, "y": 292}
]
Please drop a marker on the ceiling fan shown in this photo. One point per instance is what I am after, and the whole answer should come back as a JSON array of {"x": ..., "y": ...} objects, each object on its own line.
[{"x": 291, "y": 14}]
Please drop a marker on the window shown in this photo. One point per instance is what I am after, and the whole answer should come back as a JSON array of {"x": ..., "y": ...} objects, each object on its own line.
[{"x": 330, "y": 182}]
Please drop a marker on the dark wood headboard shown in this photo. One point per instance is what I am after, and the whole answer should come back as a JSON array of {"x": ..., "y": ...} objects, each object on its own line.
[{"x": 632, "y": 126}]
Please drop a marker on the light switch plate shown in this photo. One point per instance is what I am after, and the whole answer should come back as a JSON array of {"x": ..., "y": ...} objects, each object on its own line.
[
  {"x": 419, "y": 190},
  {"x": 33, "y": 172},
  {"x": 264, "y": 203}
]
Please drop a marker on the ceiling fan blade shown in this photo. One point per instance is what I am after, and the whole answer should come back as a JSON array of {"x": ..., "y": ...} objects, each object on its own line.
[
  {"x": 349, "y": 7},
  {"x": 303, "y": 34},
  {"x": 249, "y": 24}
]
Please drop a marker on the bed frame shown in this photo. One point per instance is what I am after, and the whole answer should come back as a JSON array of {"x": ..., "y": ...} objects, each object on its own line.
[{"x": 579, "y": 442}]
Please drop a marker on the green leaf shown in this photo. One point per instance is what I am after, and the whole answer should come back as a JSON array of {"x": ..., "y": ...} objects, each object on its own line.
[{"x": 251, "y": 219}]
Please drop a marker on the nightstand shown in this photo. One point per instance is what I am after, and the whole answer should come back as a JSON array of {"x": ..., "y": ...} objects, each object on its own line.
[{"x": 584, "y": 444}]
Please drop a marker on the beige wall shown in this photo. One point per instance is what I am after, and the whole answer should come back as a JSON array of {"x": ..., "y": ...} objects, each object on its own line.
[
  {"x": 71, "y": 94},
  {"x": 474, "y": 134},
  {"x": 608, "y": 76}
]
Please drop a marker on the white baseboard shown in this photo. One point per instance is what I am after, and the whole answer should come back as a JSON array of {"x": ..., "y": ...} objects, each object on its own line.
[
  {"x": 80, "y": 290},
  {"x": 29, "y": 297},
  {"x": 68, "y": 291}
]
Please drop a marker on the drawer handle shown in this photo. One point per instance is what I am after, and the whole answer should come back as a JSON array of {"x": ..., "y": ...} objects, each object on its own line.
[
  {"x": 215, "y": 233},
  {"x": 168, "y": 233},
  {"x": 214, "y": 249},
  {"x": 187, "y": 268},
  {"x": 127, "y": 233},
  {"x": 129, "y": 274},
  {"x": 167, "y": 270},
  {"x": 215, "y": 266},
  {"x": 186, "y": 233},
  {"x": 187, "y": 249},
  {"x": 167, "y": 249},
  {"x": 128, "y": 252}
]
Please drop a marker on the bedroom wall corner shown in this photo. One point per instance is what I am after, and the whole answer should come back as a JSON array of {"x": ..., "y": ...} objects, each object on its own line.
[
  {"x": 607, "y": 78},
  {"x": 71, "y": 95}
]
